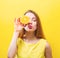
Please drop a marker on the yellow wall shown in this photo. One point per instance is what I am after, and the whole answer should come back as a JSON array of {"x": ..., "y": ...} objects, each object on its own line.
[{"x": 48, "y": 11}]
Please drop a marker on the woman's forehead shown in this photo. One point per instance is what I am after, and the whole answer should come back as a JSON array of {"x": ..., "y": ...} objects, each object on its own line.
[{"x": 29, "y": 14}]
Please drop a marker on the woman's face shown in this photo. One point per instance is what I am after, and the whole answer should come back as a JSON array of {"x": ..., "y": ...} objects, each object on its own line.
[{"x": 32, "y": 25}]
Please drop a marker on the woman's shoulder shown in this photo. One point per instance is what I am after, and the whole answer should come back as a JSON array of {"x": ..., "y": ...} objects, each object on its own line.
[
  {"x": 46, "y": 42},
  {"x": 47, "y": 45}
]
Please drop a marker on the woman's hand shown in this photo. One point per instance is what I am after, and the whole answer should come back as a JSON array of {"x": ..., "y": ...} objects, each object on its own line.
[
  {"x": 18, "y": 26},
  {"x": 13, "y": 46}
]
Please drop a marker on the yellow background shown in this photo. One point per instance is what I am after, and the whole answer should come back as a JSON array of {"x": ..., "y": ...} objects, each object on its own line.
[{"x": 48, "y": 11}]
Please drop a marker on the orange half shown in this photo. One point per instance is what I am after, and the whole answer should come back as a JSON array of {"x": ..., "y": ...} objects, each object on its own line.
[{"x": 24, "y": 20}]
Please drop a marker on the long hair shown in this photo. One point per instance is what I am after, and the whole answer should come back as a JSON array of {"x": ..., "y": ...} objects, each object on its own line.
[{"x": 38, "y": 32}]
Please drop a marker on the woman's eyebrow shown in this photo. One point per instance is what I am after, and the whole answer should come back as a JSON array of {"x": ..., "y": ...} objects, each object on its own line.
[{"x": 33, "y": 18}]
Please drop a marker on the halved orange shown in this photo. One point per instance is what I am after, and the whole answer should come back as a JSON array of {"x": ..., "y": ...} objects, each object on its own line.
[{"x": 24, "y": 20}]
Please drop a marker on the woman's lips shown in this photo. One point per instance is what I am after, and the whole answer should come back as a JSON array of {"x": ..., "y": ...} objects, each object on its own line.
[{"x": 30, "y": 26}]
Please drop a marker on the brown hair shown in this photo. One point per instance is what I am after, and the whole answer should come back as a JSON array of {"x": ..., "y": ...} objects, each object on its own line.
[{"x": 39, "y": 31}]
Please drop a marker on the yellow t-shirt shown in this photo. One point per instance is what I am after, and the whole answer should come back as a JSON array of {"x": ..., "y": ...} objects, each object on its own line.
[{"x": 27, "y": 50}]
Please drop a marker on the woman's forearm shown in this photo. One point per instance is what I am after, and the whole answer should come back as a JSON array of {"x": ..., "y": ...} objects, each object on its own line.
[{"x": 13, "y": 47}]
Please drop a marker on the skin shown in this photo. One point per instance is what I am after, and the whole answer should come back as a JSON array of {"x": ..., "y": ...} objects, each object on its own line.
[
  {"x": 30, "y": 38},
  {"x": 48, "y": 51}
]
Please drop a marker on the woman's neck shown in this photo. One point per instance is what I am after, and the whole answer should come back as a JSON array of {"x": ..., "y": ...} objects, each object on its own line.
[{"x": 30, "y": 36}]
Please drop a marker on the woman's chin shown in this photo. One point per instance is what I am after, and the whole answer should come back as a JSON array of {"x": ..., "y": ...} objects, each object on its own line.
[{"x": 29, "y": 30}]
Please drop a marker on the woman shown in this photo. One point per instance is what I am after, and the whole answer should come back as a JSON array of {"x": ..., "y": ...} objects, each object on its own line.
[{"x": 28, "y": 40}]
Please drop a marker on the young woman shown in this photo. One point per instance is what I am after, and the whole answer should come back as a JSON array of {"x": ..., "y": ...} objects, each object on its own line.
[{"x": 28, "y": 40}]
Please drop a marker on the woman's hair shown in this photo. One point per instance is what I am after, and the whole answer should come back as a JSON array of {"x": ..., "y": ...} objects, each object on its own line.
[{"x": 38, "y": 31}]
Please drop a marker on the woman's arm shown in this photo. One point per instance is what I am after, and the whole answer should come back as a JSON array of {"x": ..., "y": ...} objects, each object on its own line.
[
  {"x": 13, "y": 47},
  {"x": 18, "y": 29},
  {"x": 48, "y": 51}
]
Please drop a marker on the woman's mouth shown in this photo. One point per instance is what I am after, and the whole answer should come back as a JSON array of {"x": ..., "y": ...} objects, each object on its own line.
[{"x": 30, "y": 26}]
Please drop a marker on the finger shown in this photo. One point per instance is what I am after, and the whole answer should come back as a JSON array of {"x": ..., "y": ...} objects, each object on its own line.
[
  {"x": 18, "y": 20},
  {"x": 15, "y": 22}
]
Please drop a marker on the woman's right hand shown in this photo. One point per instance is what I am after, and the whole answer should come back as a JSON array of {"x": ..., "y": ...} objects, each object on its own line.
[{"x": 18, "y": 26}]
